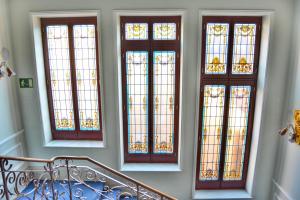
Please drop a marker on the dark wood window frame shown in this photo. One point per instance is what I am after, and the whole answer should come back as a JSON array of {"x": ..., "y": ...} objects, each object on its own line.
[
  {"x": 77, "y": 134},
  {"x": 228, "y": 80},
  {"x": 150, "y": 46}
]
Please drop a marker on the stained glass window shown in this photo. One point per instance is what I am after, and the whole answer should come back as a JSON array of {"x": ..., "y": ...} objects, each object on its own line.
[
  {"x": 59, "y": 64},
  {"x": 213, "y": 113},
  {"x": 164, "y": 31},
  {"x": 137, "y": 100},
  {"x": 150, "y": 88},
  {"x": 243, "y": 48},
  {"x": 163, "y": 100},
  {"x": 136, "y": 31},
  {"x": 86, "y": 74},
  {"x": 237, "y": 131},
  {"x": 216, "y": 48},
  {"x": 227, "y": 100},
  {"x": 72, "y": 76}
]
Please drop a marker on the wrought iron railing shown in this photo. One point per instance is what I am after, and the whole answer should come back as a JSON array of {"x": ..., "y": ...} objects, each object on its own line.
[{"x": 68, "y": 177}]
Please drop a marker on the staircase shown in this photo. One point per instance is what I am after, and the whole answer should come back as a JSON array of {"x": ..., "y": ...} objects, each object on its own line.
[{"x": 68, "y": 178}]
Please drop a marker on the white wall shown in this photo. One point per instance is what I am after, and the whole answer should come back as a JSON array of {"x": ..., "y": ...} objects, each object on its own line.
[
  {"x": 286, "y": 175},
  {"x": 178, "y": 184},
  {"x": 9, "y": 121},
  {"x": 11, "y": 133}
]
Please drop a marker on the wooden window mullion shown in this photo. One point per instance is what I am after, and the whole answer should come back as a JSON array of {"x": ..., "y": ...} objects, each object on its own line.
[
  {"x": 176, "y": 105},
  {"x": 226, "y": 105},
  {"x": 230, "y": 48},
  {"x": 98, "y": 77},
  {"x": 124, "y": 99},
  {"x": 249, "y": 131},
  {"x": 150, "y": 99},
  {"x": 224, "y": 132},
  {"x": 73, "y": 78},
  {"x": 48, "y": 76}
]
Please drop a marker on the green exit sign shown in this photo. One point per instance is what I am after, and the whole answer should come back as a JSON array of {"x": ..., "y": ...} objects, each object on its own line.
[{"x": 26, "y": 82}]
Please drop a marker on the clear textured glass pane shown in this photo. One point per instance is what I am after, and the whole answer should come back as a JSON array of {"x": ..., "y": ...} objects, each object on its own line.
[
  {"x": 136, "y": 31},
  {"x": 137, "y": 100},
  {"x": 87, "y": 77},
  {"x": 237, "y": 132},
  {"x": 164, "y": 31},
  {"x": 243, "y": 48},
  {"x": 212, "y": 130},
  {"x": 163, "y": 100},
  {"x": 216, "y": 48},
  {"x": 60, "y": 77}
]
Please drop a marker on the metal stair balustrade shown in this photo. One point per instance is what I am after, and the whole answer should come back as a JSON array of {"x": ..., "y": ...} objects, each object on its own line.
[{"x": 69, "y": 178}]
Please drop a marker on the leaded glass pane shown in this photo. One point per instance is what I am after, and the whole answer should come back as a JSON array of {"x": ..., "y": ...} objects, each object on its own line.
[
  {"x": 137, "y": 100},
  {"x": 212, "y": 129},
  {"x": 163, "y": 100},
  {"x": 243, "y": 48},
  {"x": 237, "y": 132},
  {"x": 87, "y": 77},
  {"x": 60, "y": 77},
  {"x": 136, "y": 31},
  {"x": 216, "y": 48},
  {"x": 164, "y": 31}
]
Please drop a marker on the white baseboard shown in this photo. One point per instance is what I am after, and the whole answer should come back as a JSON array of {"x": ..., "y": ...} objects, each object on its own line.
[{"x": 279, "y": 193}]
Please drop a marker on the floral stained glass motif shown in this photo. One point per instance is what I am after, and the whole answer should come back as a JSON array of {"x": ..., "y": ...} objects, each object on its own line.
[
  {"x": 87, "y": 77},
  {"x": 212, "y": 130},
  {"x": 136, "y": 31},
  {"x": 60, "y": 78},
  {"x": 243, "y": 48},
  {"x": 163, "y": 100},
  {"x": 216, "y": 48},
  {"x": 164, "y": 31},
  {"x": 236, "y": 132},
  {"x": 137, "y": 101}
]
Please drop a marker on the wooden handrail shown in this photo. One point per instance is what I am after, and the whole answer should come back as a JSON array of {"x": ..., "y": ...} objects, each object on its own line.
[{"x": 86, "y": 158}]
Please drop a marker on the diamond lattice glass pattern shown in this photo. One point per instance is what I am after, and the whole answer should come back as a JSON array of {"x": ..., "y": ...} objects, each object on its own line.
[
  {"x": 60, "y": 77},
  {"x": 164, "y": 31},
  {"x": 216, "y": 48},
  {"x": 87, "y": 77},
  {"x": 137, "y": 100},
  {"x": 212, "y": 128},
  {"x": 163, "y": 100},
  {"x": 236, "y": 132},
  {"x": 136, "y": 31},
  {"x": 243, "y": 48}
]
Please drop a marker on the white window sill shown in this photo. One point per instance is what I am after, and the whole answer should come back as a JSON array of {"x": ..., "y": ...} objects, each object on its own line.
[
  {"x": 150, "y": 167},
  {"x": 221, "y": 194},
  {"x": 75, "y": 144}
]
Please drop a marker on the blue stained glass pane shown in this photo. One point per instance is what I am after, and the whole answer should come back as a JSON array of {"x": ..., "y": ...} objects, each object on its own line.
[
  {"x": 137, "y": 101},
  {"x": 87, "y": 77},
  {"x": 163, "y": 101}
]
